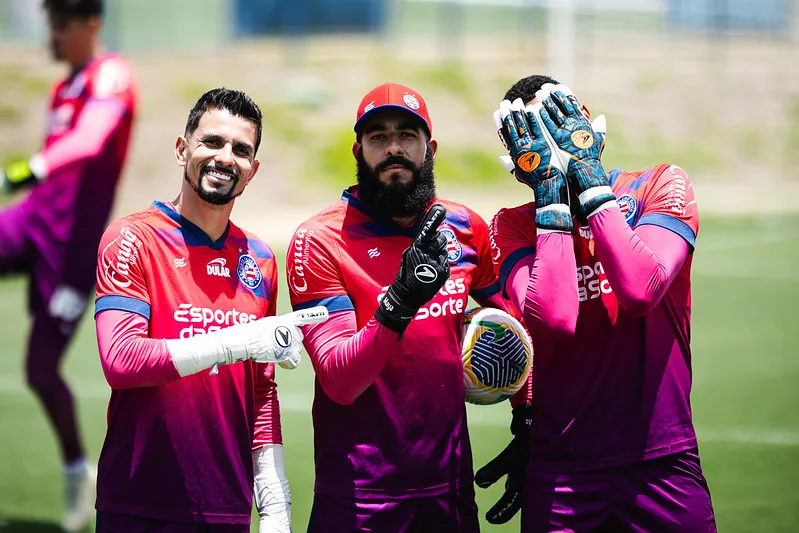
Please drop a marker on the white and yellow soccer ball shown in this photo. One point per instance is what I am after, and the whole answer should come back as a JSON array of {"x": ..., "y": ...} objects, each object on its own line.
[{"x": 497, "y": 355}]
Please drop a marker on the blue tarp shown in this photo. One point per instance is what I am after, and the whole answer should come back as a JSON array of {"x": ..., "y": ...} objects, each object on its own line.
[{"x": 293, "y": 17}]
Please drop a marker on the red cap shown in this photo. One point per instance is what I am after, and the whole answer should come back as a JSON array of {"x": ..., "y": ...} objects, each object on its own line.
[{"x": 393, "y": 95}]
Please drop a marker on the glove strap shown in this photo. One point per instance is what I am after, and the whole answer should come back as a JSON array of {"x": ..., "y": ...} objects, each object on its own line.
[
  {"x": 553, "y": 218},
  {"x": 596, "y": 198},
  {"x": 392, "y": 313}
]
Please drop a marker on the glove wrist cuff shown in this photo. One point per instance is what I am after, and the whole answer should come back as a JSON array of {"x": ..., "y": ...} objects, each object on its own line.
[
  {"x": 554, "y": 217},
  {"x": 393, "y": 313}
]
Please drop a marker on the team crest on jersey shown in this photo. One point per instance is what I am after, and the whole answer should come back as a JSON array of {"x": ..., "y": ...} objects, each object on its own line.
[
  {"x": 454, "y": 250},
  {"x": 628, "y": 206},
  {"x": 248, "y": 272}
]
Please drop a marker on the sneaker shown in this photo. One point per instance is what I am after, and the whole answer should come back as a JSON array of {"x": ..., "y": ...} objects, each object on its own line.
[{"x": 81, "y": 487}]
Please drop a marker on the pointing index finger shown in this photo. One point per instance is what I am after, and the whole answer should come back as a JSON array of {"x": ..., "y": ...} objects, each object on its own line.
[{"x": 430, "y": 223}]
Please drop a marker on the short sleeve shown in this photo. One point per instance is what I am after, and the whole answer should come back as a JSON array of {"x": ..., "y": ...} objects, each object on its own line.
[
  {"x": 484, "y": 281},
  {"x": 669, "y": 202},
  {"x": 121, "y": 276},
  {"x": 312, "y": 272},
  {"x": 512, "y": 236}
]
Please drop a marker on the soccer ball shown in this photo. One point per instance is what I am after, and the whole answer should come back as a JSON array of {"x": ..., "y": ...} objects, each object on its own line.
[{"x": 497, "y": 355}]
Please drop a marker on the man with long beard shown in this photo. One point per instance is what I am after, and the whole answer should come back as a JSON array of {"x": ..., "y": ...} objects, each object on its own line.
[{"x": 394, "y": 265}]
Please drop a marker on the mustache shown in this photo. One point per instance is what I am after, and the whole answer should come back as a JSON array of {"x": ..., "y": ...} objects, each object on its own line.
[
  {"x": 224, "y": 170},
  {"x": 394, "y": 160}
]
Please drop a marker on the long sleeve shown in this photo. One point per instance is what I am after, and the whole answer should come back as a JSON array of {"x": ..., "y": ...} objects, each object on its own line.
[
  {"x": 640, "y": 264},
  {"x": 346, "y": 362},
  {"x": 543, "y": 287},
  {"x": 129, "y": 358},
  {"x": 99, "y": 119}
]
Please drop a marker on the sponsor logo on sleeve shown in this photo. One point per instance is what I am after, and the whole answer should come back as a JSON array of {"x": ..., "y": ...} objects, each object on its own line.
[
  {"x": 118, "y": 257},
  {"x": 677, "y": 191},
  {"x": 298, "y": 260},
  {"x": 112, "y": 78},
  {"x": 248, "y": 272}
]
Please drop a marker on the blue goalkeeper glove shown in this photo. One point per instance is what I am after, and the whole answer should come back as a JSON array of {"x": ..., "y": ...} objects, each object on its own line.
[
  {"x": 580, "y": 145},
  {"x": 18, "y": 175},
  {"x": 511, "y": 462},
  {"x": 536, "y": 164}
]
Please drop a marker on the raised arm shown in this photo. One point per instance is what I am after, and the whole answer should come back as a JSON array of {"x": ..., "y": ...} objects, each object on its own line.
[{"x": 640, "y": 264}]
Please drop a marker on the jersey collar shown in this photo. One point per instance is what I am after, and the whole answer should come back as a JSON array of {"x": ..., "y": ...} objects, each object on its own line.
[
  {"x": 191, "y": 232},
  {"x": 380, "y": 228}
]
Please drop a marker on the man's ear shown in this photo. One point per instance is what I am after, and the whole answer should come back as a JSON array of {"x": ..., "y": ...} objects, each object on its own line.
[
  {"x": 434, "y": 146},
  {"x": 181, "y": 151},
  {"x": 256, "y": 164},
  {"x": 94, "y": 22},
  {"x": 356, "y": 147}
]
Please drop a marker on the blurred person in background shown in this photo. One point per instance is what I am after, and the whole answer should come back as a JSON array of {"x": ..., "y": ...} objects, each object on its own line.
[
  {"x": 599, "y": 264},
  {"x": 394, "y": 265},
  {"x": 51, "y": 235},
  {"x": 185, "y": 309}
]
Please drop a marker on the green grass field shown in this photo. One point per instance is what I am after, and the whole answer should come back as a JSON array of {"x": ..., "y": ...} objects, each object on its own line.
[{"x": 746, "y": 399}]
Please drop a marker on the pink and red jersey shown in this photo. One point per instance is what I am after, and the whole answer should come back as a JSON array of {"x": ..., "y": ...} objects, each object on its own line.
[
  {"x": 618, "y": 391},
  {"x": 406, "y": 434},
  {"x": 181, "y": 451},
  {"x": 86, "y": 142}
]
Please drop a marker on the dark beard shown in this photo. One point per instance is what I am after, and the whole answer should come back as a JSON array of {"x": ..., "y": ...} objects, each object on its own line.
[
  {"x": 386, "y": 201},
  {"x": 212, "y": 196}
]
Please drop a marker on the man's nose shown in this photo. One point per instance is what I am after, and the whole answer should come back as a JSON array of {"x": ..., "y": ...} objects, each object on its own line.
[
  {"x": 394, "y": 147},
  {"x": 225, "y": 155}
]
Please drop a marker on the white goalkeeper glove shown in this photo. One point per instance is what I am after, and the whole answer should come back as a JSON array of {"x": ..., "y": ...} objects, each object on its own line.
[
  {"x": 273, "y": 339},
  {"x": 271, "y": 488}
]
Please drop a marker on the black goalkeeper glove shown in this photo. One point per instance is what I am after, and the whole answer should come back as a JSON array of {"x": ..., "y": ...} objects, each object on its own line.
[
  {"x": 512, "y": 461},
  {"x": 17, "y": 176},
  {"x": 423, "y": 271}
]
